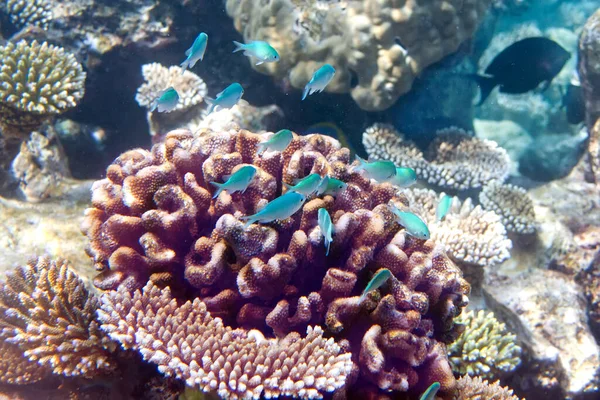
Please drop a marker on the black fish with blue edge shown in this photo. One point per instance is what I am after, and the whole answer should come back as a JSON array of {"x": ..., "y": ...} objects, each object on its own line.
[{"x": 522, "y": 66}]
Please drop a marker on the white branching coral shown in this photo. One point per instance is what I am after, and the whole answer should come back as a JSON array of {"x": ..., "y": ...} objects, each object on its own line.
[
  {"x": 29, "y": 12},
  {"x": 512, "y": 203}
]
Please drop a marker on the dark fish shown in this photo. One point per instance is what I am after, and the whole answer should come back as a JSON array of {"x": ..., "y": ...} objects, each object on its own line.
[
  {"x": 522, "y": 66},
  {"x": 574, "y": 104}
]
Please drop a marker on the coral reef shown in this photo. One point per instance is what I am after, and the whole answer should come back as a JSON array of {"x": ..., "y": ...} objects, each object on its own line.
[
  {"x": 589, "y": 68},
  {"x": 485, "y": 349},
  {"x": 186, "y": 342},
  {"x": 39, "y": 80},
  {"x": 512, "y": 204},
  {"x": 154, "y": 219},
  {"x": 454, "y": 160},
  {"x": 29, "y": 12},
  {"x": 379, "y": 46},
  {"x": 475, "y": 388},
  {"x": 47, "y": 315}
]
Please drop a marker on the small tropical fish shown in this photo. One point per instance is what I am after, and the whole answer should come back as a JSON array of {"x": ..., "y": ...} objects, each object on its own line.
[
  {"x": 281, "y": 208},
  {"x": 278, "y": 142},
  {"x": 228, "y": 98},
  {"x": 376, "y": 281},
  {"x": 430, "y": 392},
  {"x": 330, "y": 185},
  {"x": 306, "y": 186},
  {"x": 326, "y": 228},
  {"x": 381, "y": 171},
  {"x": 166, "y": 101},
  {"x": 196, "y": 52},
  {"x": 522, "y": 66},
  {"x": 443, "y": 207},
  {"x": 319, "y": 80},
  {"x": 259, "y": 50},
  {"x": 413, "y": 224},
  {"x": 237, "y": 182},
  {"x": 405, "y": 177}
]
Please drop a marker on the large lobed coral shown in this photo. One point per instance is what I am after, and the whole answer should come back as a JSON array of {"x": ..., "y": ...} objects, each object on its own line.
[
  {"x": 154, "y": 219},
  {"x": 377, "y": 47}
]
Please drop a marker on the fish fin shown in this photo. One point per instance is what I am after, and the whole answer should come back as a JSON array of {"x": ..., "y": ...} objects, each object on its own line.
[
  {"x": 260, "y": 62},
  {"x": 238, "y": 46},
  {"x": 261, "y": 148},
  {"x": 545, "y": 85},
  {"x": 219, "y": 187},
  {"x": 188, "y": 51},
  {"x": 211, "y": 102},
  {"x": 250, "y": 219},
  {"x": 226, "y": 177},
  {"x": 306, "y": 91},
  {"x": 185, "y": 65},
  {"x": 287, "y": 186},
  {"x": 486, "y": 85}
]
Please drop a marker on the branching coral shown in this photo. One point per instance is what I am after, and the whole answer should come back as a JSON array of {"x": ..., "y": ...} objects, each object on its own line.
[
  {"x": 29, "y": 12},
  {"x": 187, "y": 342},
  {"x": 377, "y": 48},
  {"x": 485, "y": 349},
  {"x": 38, "y": 81},
  {"x": 16, "y": 369},
  {"x": 512, "y": 203},
  {"x": 153, "y": 218},
  {"x": 454, "y": 160},
  {"x": 47, "y": 314},
  {"x": 470, "y": 388}
]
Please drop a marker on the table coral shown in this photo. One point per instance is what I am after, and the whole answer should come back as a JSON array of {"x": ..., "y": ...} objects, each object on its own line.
[
  {"x": 454, "y": 160},
  {"x": 154, "y": 219},
  {"x": 378, "y": 48},
  {"x": 470, "y": 388},
  {"x": 513, "y": 205}
]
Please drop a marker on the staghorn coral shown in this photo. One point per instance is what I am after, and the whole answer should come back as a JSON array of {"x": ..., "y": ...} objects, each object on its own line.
[
  {"x": 475, "y": 388},
  {"x": 470, "y": 234},
  {"x": 187, "y": 342},
  {"x": 485, "y": 349},
  {"x": 154, "y": 219},
  {"x": 512, "y": 203},
  {"x": 38, "y": 81},
  {"x": 29, "y": 12},
  {"x": 15, "y": 369},
  {"x": 47, "y": 313},
  {"x": 454, "y": 160},
  {"x": 380, "y": 46}
]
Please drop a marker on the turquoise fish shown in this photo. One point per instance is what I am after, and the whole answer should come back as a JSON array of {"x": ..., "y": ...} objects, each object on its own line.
[
  {"x": 381, "y": 171},
  {"x": 431, "y": 391},
  {"x": 326, "y": 228},
  {"x": 228, "y": 98},
  {"x": 278, "y": 142},
  {"x": 443, "y": 207},
  {"x": 376, "y": 281},
  {"x": 330, "y": 185},
  {"x": 405, "y": 177},
  {"x": 281, "y": 208},
  {"x": 306, "y": 186},
  {"x": 166, "y": 101},
  {"x": 237, "y": 182},
  {"x": 413, "y": 224},
  {"x": 319, "y": 80},
  {"x": 259, "y": 50},
  {"x": 196, "y": 52}
]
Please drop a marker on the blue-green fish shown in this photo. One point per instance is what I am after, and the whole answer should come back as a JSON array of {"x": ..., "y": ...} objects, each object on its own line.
[
  {"x": 196, "y": 52},
  {"x": 237, "y": 182},
  {"x": 319, "y": 80},
  {"x": 326, "y": 228},
  {"x": 259, "y": 50},
  {"x": 443, "y": 207},
  {"x": 166, "y": 101},
  {"x": 278, "y": 142},
  {"x": 376, "y": 281},
  {"x": 306, "y": 186},
  {"x": 381, "y": 171},
  {"x": 228, "y": 98},
  {"x": 413, "y": 224},
  {"x": 281, "y": 208},
  {"x": 430, "y": 392},
  {"x": 330, "y": 185},
  {"x": 405, "y": 177}
]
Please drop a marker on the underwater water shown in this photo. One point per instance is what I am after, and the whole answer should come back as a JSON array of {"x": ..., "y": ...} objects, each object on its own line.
[{"x": 312, "y": 199}]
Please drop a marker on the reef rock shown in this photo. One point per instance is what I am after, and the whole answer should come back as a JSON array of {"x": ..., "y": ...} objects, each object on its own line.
[{"x": 589, "y": 67}]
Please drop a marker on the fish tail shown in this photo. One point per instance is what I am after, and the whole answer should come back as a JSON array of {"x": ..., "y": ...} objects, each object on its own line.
[
  {"x": 486, "y": 85},
  {"x": 184, "y": 65},
  {"x": 361, "y": 164},
  {"x": 261, "y": 148},
  {"x": 238, "y": 46},
  {"x": 219, "y": 187},
  {"x": 306, "y": 91},
  {"x": 327, "y": 245},
  {"x": 250, "y": 219},
  {"x": 211, "y": 103}
]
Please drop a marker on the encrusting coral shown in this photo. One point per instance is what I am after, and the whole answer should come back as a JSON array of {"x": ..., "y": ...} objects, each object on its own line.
[
  {"x": 47, "y": 315},
  {"x": 475, "y": 388},
  {"x": 485, "y": 349},
  {"x": 512, "y": 203},
  {"x": 29, "y": 12},
  {"x": 187, "y": 342},
  {"x": 38, "y": 81},
  {"x": 454, "y": 160},
  {"x": 377, "y": 48},
  {"x": 154, "y": 219}
]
